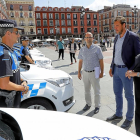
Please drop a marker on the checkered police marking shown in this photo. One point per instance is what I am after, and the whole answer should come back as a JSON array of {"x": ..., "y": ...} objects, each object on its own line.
[
  {"x": 7, "y": 25},
  {"x": 36, "y": 89},
  {"x": 96, "y": 138}
]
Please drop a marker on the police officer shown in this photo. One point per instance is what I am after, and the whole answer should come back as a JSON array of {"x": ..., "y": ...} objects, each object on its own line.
[
  {"x": 11, "y": 85},
  {"x": 24, "y": 51}
]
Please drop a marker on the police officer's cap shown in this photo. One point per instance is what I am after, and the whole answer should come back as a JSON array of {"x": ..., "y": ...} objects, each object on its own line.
[
  {"x": 24, "y": 38},
  {"x": 7, "y": 23}
]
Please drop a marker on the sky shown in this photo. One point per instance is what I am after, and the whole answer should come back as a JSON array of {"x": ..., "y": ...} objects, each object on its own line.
[{"x": 91, "y": 4}]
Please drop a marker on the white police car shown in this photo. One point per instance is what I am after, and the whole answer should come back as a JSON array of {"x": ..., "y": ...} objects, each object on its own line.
[{"x": 48, "y": 89}]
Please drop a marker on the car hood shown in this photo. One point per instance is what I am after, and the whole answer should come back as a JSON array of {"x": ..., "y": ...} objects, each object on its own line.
[
  {"x": 38, "y": 73},
  {"x": 35, "y": 57}
]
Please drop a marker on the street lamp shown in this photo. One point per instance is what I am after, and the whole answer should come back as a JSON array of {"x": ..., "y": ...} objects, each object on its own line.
[
  {"x": 56, "y": 32},
  {"x": 135, "y": 11},
  {"x": 82, "y": 14}
]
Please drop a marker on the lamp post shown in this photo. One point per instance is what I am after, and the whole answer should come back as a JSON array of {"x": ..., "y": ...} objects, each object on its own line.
[
  {"x": 82, "y": 14},
  {"x": 135, "y": 11},
  {"x": 56, "y": 32}
]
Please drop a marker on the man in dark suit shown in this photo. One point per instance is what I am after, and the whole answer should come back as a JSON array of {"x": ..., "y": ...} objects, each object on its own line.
[{"x": 126, "y": 47}]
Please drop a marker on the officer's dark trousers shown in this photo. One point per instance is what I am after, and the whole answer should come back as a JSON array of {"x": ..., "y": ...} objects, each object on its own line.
[
  {"x": 137, "y": 103},
  {"x": 17, "y": 100},
  {"x": 61, "y": 51}
]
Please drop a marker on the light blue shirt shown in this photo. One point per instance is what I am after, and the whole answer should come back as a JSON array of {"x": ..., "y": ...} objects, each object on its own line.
[
  {"x": 60, "y": 44},
  {"x": 118, "y": 50}
]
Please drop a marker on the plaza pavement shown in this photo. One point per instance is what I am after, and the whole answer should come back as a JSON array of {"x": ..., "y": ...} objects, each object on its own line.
[{"x": 107, "y": 96}]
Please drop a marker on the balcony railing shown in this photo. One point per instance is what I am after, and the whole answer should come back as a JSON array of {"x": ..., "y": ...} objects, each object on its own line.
[
  {"x": 75, "y": 24},
  {"x": 51, "y": 24},
  {"x": 56, "y": 17},
  {"x": 31, "y": 24},
  {"x": 44, "y": 17},
  {"x": 57, "y": 25},
  {"x": 88, "y": 24},
  {"x": 22, "y": 24},
  {"x": 44, "y": 24},
  {"x": 38, "y": 25},
  {"x": 30, "y": 16},
  {"x": 68, "y": 24},
  {"x": 21, "y": 16},
  {"x": 38, "y": 18},
  {"x": 31, "y": 33},
  {"x": 76, "y": 32},
  {"x": 63, "y": 25},
  {"x": 74, "y": 17},
  {"x": 88, "y": 17},
  {"x": 68, "y": 18},
  {"x": 50, "y": 17},
  {"x": 94, "y": 17}
]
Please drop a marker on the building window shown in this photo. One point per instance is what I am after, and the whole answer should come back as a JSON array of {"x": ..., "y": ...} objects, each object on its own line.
[
  {"x": 30, "y": 15},
  {"x": 56, "y": 9},
  {"x": 88, "y": 23},
  {"x": 75, "y": 23},
  {"x": 44, "y": 9},
  {"x": 68, "y": 9},
  {"x": 68, "y": 16},
  {"x": 62, "y": 9},
  {"x": 38, "y": 9},
  {"x": 44, "y": 22},
  {"x": 44, "y": 16},
  {"x": 107, "y": 15},
  {"x": 31, "y": 23},
  {"x": 21, "y": 15},
  {"x": 56, "y": 22},
  {"x": 75, "y": 30},
  {"x": 124, "y": 13},
  {"x": 51, "y": 22},
  {"x": 38, "y": 23},
  {"x": 62, "y": 16},
  {"x": 112, "y": 14},
  {"x": 82, "y": 23},
  {"x": 39, "y": 31},
  {"x": 88, "y": 29},
  {"x": 63, "y": 22},
  {"x": 12, "y": 14},
  {"x": 11, "y": 7},
  {"x": 20, "y": 7},
  {"x": 95, "y": 16},
  {"x": 95, "y": 23},
  {"x": 30, "y": 8},
  {"x": 56, "y": 16},
  {"x": 63, "y": 30},
  {"x": 50, "y": 16},
  {"x": 58, "y": 31},
  {"x": 130, "y": 21},
  {"x": 95, "y": 29},
  {"x": 45, "y": 31},
  {"x": 69, "y": 30},
  {"x": 103, "y": 16},
  {"x": 88, "y": 16},
  {"x": 75, "y": 16},
  {"x": 51, "y": 30},
  {"x": 50, "y": 9},
  {"x": 119, "y": 13},
  {"x": 69, "y": 22},
  {"x": 38, "y": 15}
]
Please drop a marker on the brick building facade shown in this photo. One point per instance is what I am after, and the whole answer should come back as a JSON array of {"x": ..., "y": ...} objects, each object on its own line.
[
  {"x": 3, "y": 8},
  {"x": 65, "y": 22},
  {"x": 23, "y": 13}
]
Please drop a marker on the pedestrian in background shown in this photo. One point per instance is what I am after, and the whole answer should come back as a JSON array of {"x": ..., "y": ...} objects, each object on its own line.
[
  {"x": 126, "y": 48},
  {"x": 79, "y": 44},
  {"x": 91, "y": 59},
  {"x": 73, "y": 48},
  {"x": 110, "y": 42},
  {"x": 136, "y": 74},
  {"x": 107, "y": 42},
  {"x": 11, "y": 85},
  {"x": 60, "y": 45}
]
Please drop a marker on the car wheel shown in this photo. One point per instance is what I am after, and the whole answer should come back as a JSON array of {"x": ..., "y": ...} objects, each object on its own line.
[{"x": 39, "y": 104}]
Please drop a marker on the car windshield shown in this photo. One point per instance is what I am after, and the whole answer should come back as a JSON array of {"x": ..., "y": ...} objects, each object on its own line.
[{"x": 24, "y": 67}]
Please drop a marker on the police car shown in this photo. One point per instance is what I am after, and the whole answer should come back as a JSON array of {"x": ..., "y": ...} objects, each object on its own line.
[
  {"x": 39, "y": 58},
  {"x": 48, "y": 89}
]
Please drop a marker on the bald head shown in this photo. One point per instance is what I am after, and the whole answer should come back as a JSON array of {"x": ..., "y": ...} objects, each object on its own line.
[{"x": 89, "y": 33}]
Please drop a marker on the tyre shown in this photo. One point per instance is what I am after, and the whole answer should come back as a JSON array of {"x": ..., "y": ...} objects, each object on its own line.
[{"x": 37, "y": 103}]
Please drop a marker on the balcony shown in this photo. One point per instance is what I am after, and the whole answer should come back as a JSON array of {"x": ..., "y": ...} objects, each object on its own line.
[
  {"x": 44, "y": 24},
  {"x": 95, "y": 25},
  {"x": 51, "y": 24},
  {"x": 22, "y": 24},
  {"x": 94, "y": 17},
  {"x": 68, "y": 24},
  {"x": 63, "y": 25},
  {"x": 82, "y": 24},
  {"x": 63, "y": 32},
  {"x": 76, "y": 32},
  {"x": 56, "y": 18},
  {"x": 74, "y": 17},
  {"x": 75, "y": 24},
  {"x": 44, "y": 17},
  {"x": 38, "y": 18},
  {"x": 68, "y": 18},
  {"x": 88, "y": 17},
  {"x": 57, "y": 25},
  {"x": 21, "y": 16},
  {"x": 30, "y": 16},
  {"x": 106, "y": 31},
  {"x": 31, "y": 33},
  {"x": 69, "y": 32},
  {"x": 38, "y": 25},
  {"x": 62, "y": 18},
  {"x": 31, "y": 24},
  {"x": 88, "y": 24},
  {"x": 50, "y": 17}
]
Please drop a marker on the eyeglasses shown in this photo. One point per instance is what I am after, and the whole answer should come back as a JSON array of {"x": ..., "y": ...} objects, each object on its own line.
[
  {"x": 16, "y": 32},
  {"x": 88, "y": 37}
]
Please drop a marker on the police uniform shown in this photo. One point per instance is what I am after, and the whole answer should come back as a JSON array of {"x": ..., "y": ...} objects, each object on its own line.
[
  {"x": 9, "y": 68},
  {"x": 24, "y": 51}
]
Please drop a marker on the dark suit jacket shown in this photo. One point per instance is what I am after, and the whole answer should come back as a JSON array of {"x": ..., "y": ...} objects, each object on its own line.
[{"x": 130, "y": 49}]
